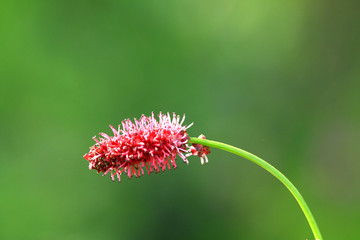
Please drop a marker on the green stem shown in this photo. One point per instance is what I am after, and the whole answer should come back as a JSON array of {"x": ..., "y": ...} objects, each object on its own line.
[{"x": 270, "y": 169}]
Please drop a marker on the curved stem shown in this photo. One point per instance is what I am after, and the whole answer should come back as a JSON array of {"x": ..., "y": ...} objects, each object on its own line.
[{"x": 310, "y": 218}]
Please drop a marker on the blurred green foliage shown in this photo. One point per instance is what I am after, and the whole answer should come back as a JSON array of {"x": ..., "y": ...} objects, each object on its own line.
[{"x": 277, "y": 78}]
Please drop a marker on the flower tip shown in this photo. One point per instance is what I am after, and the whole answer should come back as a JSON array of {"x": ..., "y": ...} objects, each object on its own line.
[{"x": 147, "y": 142}]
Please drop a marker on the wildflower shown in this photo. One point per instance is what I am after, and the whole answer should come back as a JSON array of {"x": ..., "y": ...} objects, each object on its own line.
[{"x": 145, "y": 143}]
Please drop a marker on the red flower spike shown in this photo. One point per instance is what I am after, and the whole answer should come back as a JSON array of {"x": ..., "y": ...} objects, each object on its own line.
[{"x": 147, "y": 142}]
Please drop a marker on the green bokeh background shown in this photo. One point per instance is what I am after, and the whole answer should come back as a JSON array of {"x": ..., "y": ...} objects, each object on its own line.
[{"x": 277, "y": 78}]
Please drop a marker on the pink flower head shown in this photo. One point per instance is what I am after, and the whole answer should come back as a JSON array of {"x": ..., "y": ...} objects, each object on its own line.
[{"x": 147, "y": 142}]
